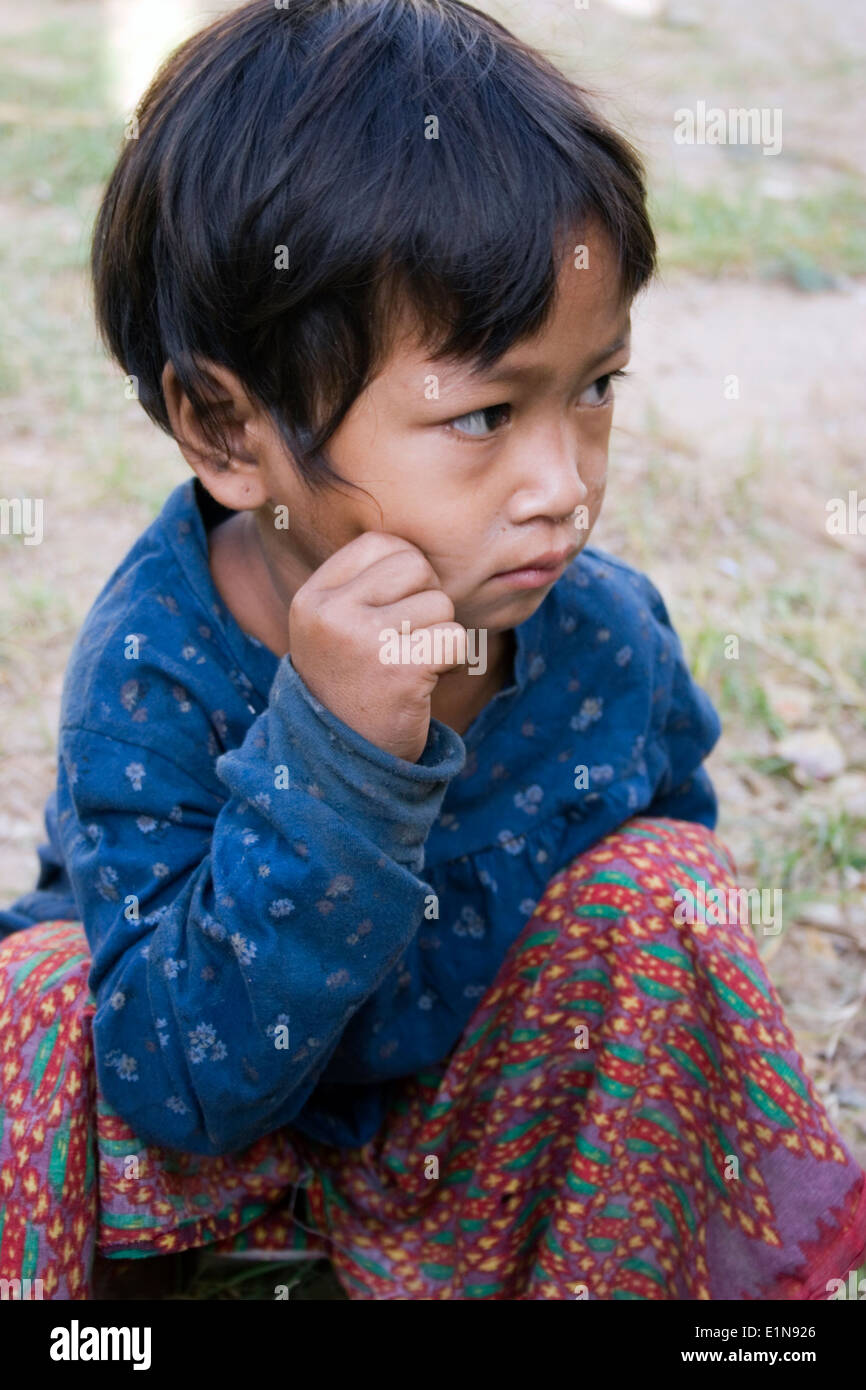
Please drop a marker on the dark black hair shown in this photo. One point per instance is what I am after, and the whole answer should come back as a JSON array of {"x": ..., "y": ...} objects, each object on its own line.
[{"x": 308, "y": 128}]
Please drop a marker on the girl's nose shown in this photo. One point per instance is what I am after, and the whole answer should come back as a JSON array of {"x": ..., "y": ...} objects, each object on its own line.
[{"x": 549, "y": 483}]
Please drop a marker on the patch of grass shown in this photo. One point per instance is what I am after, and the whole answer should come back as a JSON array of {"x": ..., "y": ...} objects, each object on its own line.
[
  {"x": 58, "y": 135},
  {"x": 744, "y": 698},
  {"x": 836, "y": 840},
  {"x": 712, "y": 230},
  {"x": 34, "y": 603},
  {"x": 811, "y": 862}
]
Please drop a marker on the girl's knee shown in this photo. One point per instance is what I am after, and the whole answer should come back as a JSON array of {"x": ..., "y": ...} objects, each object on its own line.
[{"x": 666, "y": 843}]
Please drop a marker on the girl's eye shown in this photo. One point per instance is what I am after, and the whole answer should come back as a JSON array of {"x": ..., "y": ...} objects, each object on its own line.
[
  {"x": 598, "y": 392},
  {"x": 477, "y": 423}
]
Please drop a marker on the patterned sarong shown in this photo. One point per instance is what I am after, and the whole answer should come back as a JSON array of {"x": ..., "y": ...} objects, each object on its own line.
[{"x": 625, "y": 1116}]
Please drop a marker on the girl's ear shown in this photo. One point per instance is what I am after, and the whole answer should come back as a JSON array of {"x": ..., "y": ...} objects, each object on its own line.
[{"x": 233, "y": 476}]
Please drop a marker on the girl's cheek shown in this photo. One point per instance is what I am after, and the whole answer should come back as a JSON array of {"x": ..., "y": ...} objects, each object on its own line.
[{"x": 593, "y": 465}]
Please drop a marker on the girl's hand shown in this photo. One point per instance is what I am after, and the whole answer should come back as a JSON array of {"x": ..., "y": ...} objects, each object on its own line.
[{"x": 377, "y": 581}]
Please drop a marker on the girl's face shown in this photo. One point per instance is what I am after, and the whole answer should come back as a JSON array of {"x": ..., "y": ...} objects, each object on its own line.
[{"x": 482, "y": 473}]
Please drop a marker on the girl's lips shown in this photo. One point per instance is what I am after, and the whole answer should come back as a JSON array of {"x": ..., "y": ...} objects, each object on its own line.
[{"x": 533, "y": 577}]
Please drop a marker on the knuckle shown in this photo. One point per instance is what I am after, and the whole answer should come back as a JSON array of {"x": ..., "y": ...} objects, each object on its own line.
[{"x": 445, "y": 606}]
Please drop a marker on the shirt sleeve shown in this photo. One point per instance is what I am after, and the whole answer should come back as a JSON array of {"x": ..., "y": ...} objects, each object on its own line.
[
  {"x": 688, "y": 728},
  {"x": 233, "y": 936}
]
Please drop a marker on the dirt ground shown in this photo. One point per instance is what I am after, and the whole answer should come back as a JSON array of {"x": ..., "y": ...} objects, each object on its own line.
[{"x": 721, "y": 498}]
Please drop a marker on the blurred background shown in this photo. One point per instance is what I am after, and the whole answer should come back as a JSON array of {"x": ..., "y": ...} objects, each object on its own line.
[{"x": 744, "y": 417}]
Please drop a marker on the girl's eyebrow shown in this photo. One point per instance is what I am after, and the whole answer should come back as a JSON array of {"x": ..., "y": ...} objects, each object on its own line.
[{"x": 543, "y": 374}]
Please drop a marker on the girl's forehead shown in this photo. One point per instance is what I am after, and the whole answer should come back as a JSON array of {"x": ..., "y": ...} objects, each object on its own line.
[{"x": 588, "y": 319}]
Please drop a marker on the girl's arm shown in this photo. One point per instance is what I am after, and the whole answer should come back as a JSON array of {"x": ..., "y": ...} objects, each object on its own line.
[{"x": 234, "y": 938}]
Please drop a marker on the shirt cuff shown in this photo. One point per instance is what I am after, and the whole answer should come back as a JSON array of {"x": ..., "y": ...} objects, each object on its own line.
[{"x": 395, "y": 802}]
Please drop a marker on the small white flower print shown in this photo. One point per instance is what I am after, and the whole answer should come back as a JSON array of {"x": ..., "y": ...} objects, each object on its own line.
[
  {"x": 136, "y": 774},
  {"x": 117, "y": 999},
  {"x": 601, "y": 774},
  {"x": 176, "y": 814},
  {"x": 530, "y": 800},
  {"x": 125, "y": 1066},
  {"x": 527, "y": 907},
  {"x": 264, "y": 871},
  {"x": 248, "y": 838},
  {"x": 537, "y": 667},
  {"x": 188, "y": 651},
  {"x": 362, "y": 929},
  {"x": 281, "y": 907},
  {"x": 485, "y": 877},
  {"x": 473, "y": 991},
  {"x": 182, "y": 696},
  {"x": 245, "y": 950},
  {"x": 203, "y": 1034},
  {"x": 603, "y": 634},
  {"x": 590, "y": 711},
  {"x": 340, "y": 886},
  {"x": 205, "y": 1045},
  {"x": 160, "y": 870},
  {"x": 106, "y": 885},
  {"x": 130, "y": 693},
  {"x": 511, "y": 843},
  {"x": 469, "y": 923},
  {"x": 425, "y": 1001},
  {"x": 176, "y": 1104},
  {"x": 623, "y": 656},
  {"x": 337, "y": 978},
  {"x": 171, "y": 968},
  {"x": 212, "y": 928},
  {"x": 146, "y": 824}
]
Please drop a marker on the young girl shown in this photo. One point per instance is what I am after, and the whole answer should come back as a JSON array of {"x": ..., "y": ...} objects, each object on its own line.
[{"x": 380, "y": 793}]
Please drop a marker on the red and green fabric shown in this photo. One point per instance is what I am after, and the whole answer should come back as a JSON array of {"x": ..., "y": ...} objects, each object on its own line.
[{"x": 625, "y": 1117}]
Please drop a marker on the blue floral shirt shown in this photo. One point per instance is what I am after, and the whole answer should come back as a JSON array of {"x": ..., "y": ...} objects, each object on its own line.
[{"x": 284, "y": 918}]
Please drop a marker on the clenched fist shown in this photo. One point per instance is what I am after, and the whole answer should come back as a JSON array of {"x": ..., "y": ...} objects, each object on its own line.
[{"x": 377, "y": 581}]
